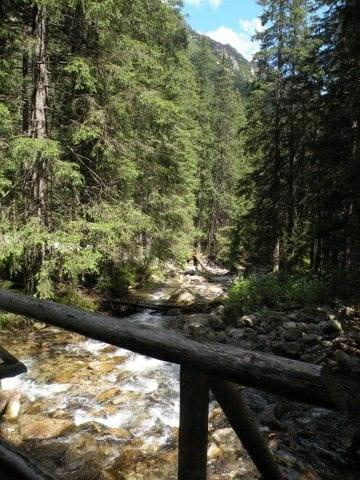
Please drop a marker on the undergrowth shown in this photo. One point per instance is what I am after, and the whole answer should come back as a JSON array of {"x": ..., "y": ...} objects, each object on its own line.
[{"x": 277, "y": 292}]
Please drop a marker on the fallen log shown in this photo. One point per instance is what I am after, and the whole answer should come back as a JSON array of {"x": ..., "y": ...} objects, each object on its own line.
[
  {"x": 290, "y": 378},
  {"x": 123, "y": 307}
]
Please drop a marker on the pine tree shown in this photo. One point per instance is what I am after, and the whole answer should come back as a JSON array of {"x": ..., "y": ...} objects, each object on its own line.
[{"x": 278, "y": 130}]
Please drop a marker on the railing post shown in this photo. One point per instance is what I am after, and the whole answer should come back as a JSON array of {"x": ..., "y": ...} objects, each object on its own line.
[
  {"x": 231, "y": 400},
  {"x": 193, "y": 432}
]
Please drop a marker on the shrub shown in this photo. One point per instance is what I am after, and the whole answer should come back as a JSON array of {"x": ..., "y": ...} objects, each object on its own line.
[
  {"x": 12, "y": 320},
  {"x": 278, "y": 292},
  {"x": 75, "y": 297}
]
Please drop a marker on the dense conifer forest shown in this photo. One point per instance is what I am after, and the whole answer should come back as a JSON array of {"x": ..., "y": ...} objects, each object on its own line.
[{"x": 127, "y": 141}]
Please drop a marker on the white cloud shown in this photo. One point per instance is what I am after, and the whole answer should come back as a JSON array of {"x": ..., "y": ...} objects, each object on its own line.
[
  {"x": 213, "y": 3},
  {"x": 251, "y": 26},
  {"x": 241, "y": 40}
]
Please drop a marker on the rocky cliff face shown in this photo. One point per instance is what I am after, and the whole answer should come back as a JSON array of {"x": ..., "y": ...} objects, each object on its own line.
[{"x": 241, "y": 66}]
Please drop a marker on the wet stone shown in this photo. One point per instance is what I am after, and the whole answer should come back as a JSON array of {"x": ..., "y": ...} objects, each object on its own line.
[
  {"x": 41, "y": 428},
  {"x": 108, "y": 395}
]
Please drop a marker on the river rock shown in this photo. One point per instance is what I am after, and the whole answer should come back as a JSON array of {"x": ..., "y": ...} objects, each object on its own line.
[
  {"x": 219, "y": 310},
  {"x": 139, "y": 464},
  {"x": 13, "y": 406},
  {"x": 310, "y": 339},
  {"x": 293, "y": 349},
  {"x": 224, "y": 436},
  {"x": 214, "y": 452},
  {"x": 196, "y": 329},
  {"x": 247, "y": 320},
  {"x": 3, "y": 402},
  {"x": 39, "y": 325},
  {"x": 292, "y": 335},
  {"x": 102, "y": 367},
  {"x": 332, "y": 326},
  {"x": 216, "y": 322},
  {"x": 183, "y": 297},
  {"x": 220, "y": 337},
  {"x": 349, "y": 311},
  {"x": 236, "y": 333},
  {"x": 42, "y": 428},
  {"x": 268, "y": 418},
  {"x": 290, "y": 325},
  {"x": 108, "y": 395},
  {"x": 348, "y": 362}
]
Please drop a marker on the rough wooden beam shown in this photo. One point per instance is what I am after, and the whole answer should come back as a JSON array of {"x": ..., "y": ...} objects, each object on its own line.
[
  {"x": 15, "y": 466},
  {"x": 292, "y": 379},
  {"x": 241, "y": 419},
  {"x": 193, "y": 431},
  {"x": 10, "y": 366}
]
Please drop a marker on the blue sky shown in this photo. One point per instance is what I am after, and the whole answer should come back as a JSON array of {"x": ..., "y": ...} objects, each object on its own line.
[{"x": 227, "y": 21}]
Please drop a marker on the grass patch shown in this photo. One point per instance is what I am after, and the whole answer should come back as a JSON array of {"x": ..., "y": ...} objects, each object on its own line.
[{"x": 277, "y": 292}]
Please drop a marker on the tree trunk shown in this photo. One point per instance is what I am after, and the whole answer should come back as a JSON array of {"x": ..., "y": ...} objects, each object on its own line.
[
  {"x": 39, "y": 122},
  {"x": 277, "y": 155}
]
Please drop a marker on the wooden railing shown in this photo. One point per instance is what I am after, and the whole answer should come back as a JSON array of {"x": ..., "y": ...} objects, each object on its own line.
[{"x": 204, "y": 367}]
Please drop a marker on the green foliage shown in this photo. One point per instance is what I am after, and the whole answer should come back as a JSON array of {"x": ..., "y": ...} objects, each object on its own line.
[
  {"x": 11, "y": 320},
  {"x": 251, "y": 293},
  {"x": 81, "y": 71},
  {"x": 77, "y": 298},
  {"x": 111, "y": 186},
  {"x": 31, "y": 149}
]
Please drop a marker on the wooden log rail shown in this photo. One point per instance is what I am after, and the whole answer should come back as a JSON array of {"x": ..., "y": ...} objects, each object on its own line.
[
  {"x": 204, "y": 366},
  {"x": 15, "y": 466},
  {"x": 10, "y": 366}
]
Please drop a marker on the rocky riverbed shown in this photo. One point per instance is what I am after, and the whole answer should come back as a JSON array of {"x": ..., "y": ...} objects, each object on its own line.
[{"x": 92, "y": 411}]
